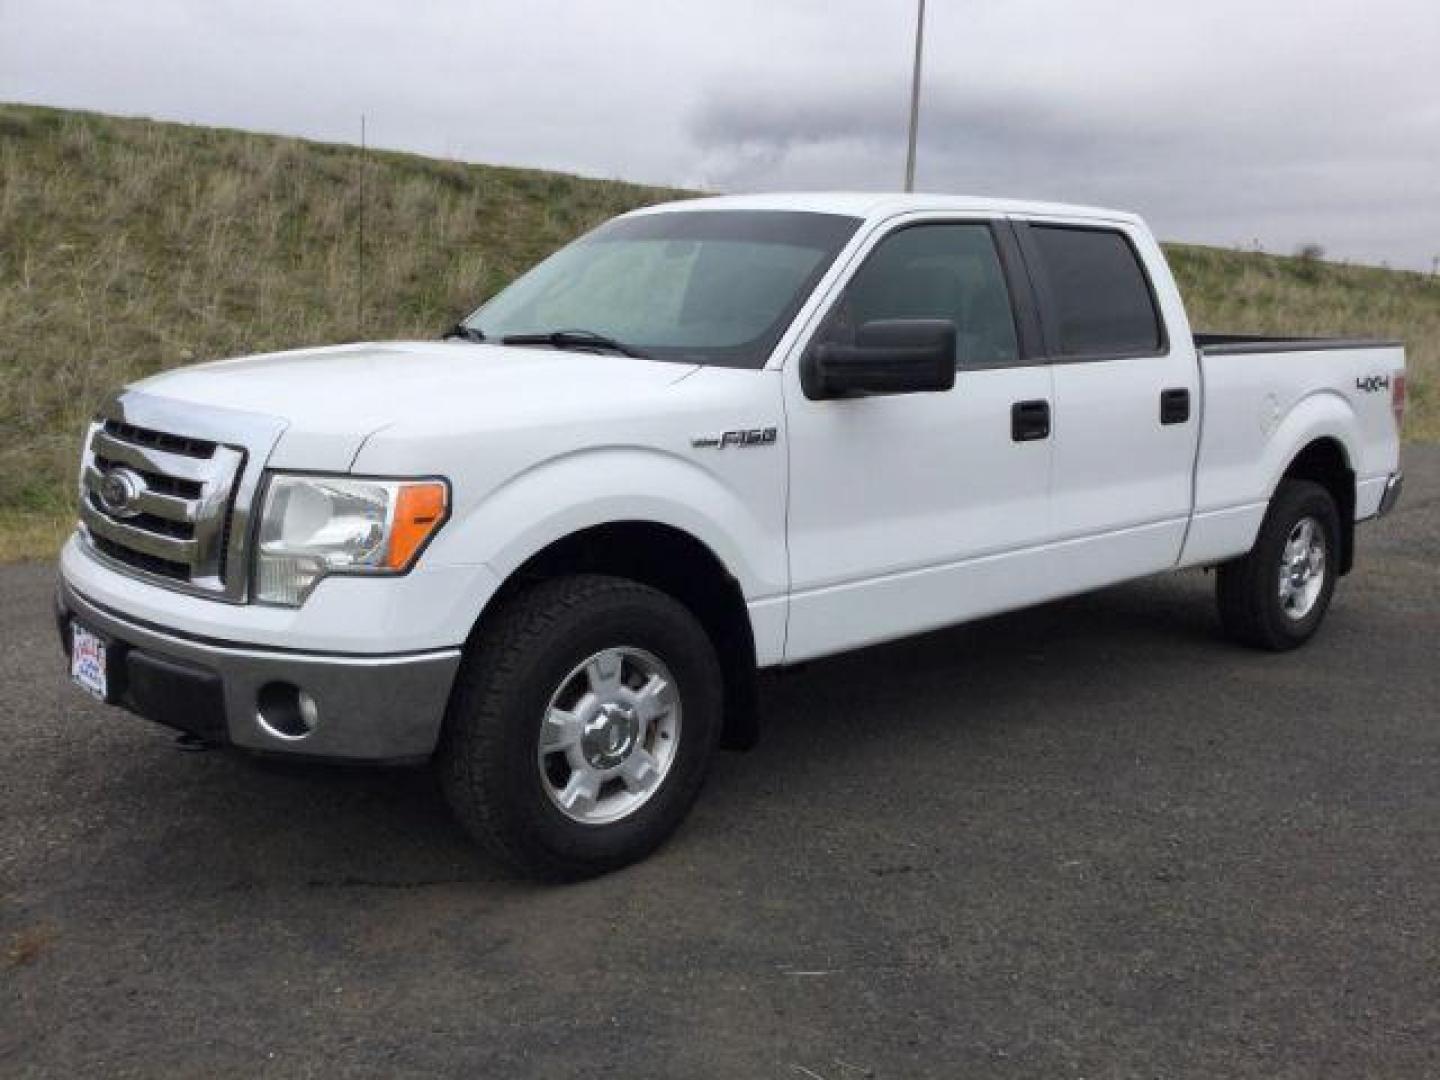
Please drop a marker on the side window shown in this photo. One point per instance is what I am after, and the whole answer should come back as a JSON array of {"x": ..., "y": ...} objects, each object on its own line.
[
  {"x": 1101, "y": 297},
  {"x": 933, "y": 272}
]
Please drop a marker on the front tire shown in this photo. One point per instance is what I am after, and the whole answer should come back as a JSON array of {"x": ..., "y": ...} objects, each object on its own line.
[
  {"x": 581, "y": 726},
  {"x": 1276, "y": 596}
]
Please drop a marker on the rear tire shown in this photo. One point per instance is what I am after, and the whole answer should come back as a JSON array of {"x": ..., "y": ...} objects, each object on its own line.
[
  {"x": 1276, "y": 596},
  {"x": 581, "y": 726}
]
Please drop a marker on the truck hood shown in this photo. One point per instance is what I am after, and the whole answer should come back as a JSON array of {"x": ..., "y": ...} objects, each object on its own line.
[{"x": 331, "y": 399}]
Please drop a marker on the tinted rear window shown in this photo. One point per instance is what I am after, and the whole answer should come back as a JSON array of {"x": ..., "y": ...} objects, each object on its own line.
[{"x": 1102, "y": 298}]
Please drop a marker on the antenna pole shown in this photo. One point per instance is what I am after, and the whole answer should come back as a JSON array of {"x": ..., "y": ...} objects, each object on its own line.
[
  {"x": 360, "y": 239},
  {"x": 915, "y": 96}
]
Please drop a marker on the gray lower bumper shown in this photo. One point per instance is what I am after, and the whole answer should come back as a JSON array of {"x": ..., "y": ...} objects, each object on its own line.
[
  {"x": 365, "y": 708},
  {"x": 1391, "y": 495}
]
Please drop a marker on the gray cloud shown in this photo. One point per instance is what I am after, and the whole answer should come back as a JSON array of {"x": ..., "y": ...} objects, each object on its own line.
[
  {"x": 1328, "y": 131},
  {"x": 1223, "y": 121}
]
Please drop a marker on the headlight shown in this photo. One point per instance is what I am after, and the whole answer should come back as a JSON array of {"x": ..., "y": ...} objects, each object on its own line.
[{"x": 311, "y": 526}]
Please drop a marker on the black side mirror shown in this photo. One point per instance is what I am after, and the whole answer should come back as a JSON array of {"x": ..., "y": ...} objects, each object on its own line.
[{"x": 890, "y": 356}]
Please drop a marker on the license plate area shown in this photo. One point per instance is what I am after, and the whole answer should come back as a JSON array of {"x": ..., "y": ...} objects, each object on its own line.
[{"x": 90, "y": 662}]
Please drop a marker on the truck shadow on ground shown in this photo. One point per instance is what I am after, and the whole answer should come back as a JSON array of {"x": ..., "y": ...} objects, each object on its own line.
[{"x": 1028, "y": 652}]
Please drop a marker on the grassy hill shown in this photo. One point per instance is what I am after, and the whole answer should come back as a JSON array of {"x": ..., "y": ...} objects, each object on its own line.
[{"x": 128, "y": 246}]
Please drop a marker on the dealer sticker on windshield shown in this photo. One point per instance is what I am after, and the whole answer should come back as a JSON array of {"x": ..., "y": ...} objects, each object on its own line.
[{"x": 87, "y": 661}]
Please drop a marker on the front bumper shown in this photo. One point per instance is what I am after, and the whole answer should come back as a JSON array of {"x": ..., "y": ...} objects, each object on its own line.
[{"x": 367, "y": 708}]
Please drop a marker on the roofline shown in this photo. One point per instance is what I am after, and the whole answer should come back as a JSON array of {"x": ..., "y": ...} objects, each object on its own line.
[{"x": 872, "y": 205}]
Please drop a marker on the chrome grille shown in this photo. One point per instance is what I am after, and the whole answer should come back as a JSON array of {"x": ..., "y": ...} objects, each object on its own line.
[{"x": 160, "y": 503}]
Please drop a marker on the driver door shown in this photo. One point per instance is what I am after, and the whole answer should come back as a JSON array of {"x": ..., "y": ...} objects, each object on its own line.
[{"x": 914, "y": 511}]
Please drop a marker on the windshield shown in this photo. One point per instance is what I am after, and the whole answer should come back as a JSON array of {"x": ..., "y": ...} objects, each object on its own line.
[{"x": 702, "y": 286}]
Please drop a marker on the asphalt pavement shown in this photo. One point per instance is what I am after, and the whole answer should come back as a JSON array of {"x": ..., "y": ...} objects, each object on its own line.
[{"x": 1093, "y": 839}]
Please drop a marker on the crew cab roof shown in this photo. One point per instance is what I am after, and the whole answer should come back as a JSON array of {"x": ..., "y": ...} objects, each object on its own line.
[{"x": 884, "y": 205}]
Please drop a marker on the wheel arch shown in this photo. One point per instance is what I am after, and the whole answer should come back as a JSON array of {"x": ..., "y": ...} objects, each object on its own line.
[{"x": 677, "y": 563}]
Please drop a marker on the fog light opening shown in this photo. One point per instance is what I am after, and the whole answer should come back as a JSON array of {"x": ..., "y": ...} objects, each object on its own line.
[{"x": 286, "y": 711}]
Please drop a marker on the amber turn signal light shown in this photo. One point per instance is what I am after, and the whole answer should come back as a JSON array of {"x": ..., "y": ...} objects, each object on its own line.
[{"x": 419, "y": 511}]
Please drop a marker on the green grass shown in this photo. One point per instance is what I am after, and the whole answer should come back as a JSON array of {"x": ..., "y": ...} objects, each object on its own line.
[{"x": 129, "y": 246}]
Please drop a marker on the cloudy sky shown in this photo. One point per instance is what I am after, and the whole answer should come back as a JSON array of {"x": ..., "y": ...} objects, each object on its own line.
[{"x": 1232, "y": 122}]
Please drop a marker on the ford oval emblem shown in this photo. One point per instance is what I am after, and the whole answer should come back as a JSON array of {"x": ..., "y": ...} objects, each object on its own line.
[{"x": 120, "y": 491}]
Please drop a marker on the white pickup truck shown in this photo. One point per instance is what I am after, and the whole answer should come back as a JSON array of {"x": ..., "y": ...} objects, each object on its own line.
[{"x": 551, "y": 551}]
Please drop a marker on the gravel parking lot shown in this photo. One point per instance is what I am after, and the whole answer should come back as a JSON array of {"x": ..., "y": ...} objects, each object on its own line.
[{"x": 1092, "y": 839}]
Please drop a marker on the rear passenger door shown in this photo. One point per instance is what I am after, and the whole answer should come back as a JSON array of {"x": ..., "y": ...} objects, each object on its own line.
[{"x": 1125, "y": 398}]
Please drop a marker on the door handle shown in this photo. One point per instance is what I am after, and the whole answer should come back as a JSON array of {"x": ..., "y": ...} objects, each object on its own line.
[
  {"x": 1174, "y": 406},
  {"x": 1029, "y": 420}
]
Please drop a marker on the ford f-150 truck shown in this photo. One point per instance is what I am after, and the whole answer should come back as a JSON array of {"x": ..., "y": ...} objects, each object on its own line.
[{"x": 551, "y": 550}]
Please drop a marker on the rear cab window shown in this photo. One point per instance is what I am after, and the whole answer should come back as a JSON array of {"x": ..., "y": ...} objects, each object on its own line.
[{"x": 1096, "y": 298}]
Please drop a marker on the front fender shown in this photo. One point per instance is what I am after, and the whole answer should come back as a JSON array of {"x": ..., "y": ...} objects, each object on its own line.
[{"x": 581, "y": 489}]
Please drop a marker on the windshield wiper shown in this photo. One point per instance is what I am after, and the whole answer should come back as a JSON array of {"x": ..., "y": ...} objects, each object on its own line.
[
  {"x": 574, "y": 339},
  {"x": 464, "y": 333}
]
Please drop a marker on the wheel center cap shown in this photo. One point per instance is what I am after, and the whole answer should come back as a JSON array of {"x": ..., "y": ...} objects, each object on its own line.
[{"x": 610, "y": 735}]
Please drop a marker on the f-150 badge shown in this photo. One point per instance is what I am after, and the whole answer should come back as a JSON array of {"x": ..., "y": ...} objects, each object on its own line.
[{"x": 746, "y": 437}]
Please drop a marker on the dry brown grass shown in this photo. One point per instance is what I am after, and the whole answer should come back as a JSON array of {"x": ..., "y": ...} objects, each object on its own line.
[
  {"x": 33, "y": 534},
  {"x": 128, "y": 246}
]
